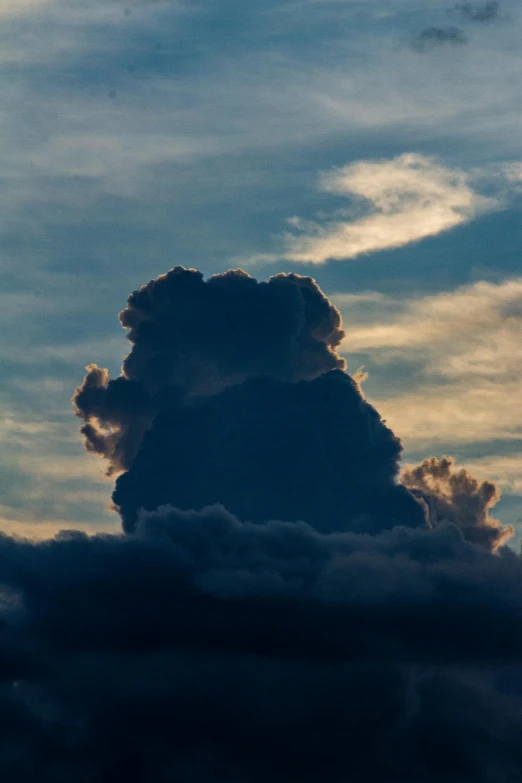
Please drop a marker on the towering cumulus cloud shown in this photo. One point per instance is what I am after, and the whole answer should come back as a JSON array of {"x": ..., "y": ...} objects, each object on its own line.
[
  {"x": 234, "y": 393},
  {"x": 278, "y": 607}
]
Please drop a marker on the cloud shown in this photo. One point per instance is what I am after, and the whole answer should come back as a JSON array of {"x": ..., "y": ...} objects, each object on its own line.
[
  {"x": 193, "y": 338},
  {"x": 466, "y": 344},
  {"x": 228, "y": 396},
  {"x": 340, "y": 623},
  {"x": 504, "y": 470},
  {"x": 212, "y": 407},
  {"x": 513, "y": 172},
  {"x": 458, "y": 497},
  {"x": 208, "y": 648},
  {"x": 45, "y": 475},
  {"x": 17, "y": 7},
  {"x": 469, "y": 331},
  {"x": 432, "y": 37},
  {"x": 312, "y": 451},
  {"x": 454, "y": 413},
  {"x": 84, "y": 172},
  {"x": 406, "y": 199},
  {"x": 487, "y": 12},
  {"x": 38, "y": 528}
]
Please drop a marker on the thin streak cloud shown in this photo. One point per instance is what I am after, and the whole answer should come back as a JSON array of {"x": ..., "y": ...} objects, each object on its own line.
[
  {"x": 472, "y": 331},
  {"x": 466, "y": 343}
]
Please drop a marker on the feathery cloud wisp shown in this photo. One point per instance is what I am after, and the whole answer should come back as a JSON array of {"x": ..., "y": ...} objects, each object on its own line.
[
  {"x": 467, "y": 343},
  {"x": 407, "y": 199}
]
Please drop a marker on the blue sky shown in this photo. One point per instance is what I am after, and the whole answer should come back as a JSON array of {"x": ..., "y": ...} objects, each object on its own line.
[{"x": 374, "y": 145}]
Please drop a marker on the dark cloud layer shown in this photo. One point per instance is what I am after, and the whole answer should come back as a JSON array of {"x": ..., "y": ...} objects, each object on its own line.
[
  {"x": 204, "y": 648},
  {"x": 432, "y": 37},
  {"x": 339, "y": 626}
]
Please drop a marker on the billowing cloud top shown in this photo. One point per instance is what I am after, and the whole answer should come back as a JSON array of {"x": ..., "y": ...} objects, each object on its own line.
[
  {"x": 193, "y": 338},
  {"x": 234, "y": 393}
]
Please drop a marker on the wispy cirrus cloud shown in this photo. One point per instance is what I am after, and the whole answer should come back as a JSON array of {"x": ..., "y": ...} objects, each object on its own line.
[
  {"x": 472, "y": 331},
  {"x": 392, "y": 203},
  {"x": 467, "y": 345},
  {"x": 445, "y": 371}
]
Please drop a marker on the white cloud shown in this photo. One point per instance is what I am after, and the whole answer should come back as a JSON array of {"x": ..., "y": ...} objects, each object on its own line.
[
  {"x": 505, "y": 470},
  {"x": 464, "y": 412},
  {"x": 467, "y": 343},
  {"x": 513, "y": 172},
  {"x": 405, "y": 199},
  {"x": 473, "y": 331},
  {"x": 17, "y": 7}
]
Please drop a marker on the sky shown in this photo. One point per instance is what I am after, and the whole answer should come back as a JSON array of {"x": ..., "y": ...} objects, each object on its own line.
[
  {"x": 260, "y": 328},
  {"x": 372, "y": 145}
]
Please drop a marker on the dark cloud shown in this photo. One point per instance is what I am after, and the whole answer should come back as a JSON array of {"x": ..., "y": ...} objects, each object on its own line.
[
  {"x": 204, "y": 648},
  {"x": 432, "y": 37},
  {"x": 192, "y": 338},
  {"x": 478, "y": 13},
  {"x": 230, "y": 395},
  {"x": 339, "y": 626},
  {"x": 313, "y": 451}
]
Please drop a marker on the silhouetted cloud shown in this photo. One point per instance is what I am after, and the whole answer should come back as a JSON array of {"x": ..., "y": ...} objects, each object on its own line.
[
  {"x": 372, "y": 632},
  {"x": 437, "y": 36},
  {"x": 193, "y": 338},
  {"x": 313, "y": 451},
  {"x": 486, "y": 12},
  {"x": 202, "y": 648},
  {"x": 267, "y": 448}
]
